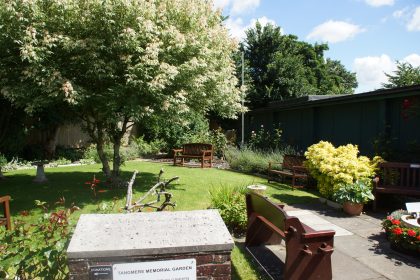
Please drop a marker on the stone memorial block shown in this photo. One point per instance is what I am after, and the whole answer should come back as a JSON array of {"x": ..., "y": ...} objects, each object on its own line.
[{"x": 185, "y": 245}]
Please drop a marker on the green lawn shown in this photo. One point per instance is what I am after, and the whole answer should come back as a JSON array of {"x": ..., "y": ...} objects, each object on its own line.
[{"x": 189, "y": 192}]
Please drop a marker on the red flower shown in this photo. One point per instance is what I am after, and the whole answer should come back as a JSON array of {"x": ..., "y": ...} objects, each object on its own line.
[
  {"x": 397, "y": 231},
  {"x": 418, "y": 237},
  {"x": 411, "y": 232},
  {"x": 406, "y": 104},
  {"x": 396, "y": 222}
]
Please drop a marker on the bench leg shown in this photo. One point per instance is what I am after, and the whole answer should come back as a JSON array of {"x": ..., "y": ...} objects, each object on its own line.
[{"x": 7, "y": 214}]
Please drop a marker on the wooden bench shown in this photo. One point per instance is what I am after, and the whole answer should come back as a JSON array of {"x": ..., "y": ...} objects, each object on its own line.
[
  {"x": 5, "y": 220},
  {"x": 308, "y": 252},
  {"x": 200, "y": 151},
  {"x": 292, "y": 166},
  {"x": 397, "y": 178}
]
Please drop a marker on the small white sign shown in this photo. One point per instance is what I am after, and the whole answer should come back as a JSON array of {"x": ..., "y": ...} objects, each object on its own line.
[
  {"x": 413, "y": 207},
  {"x": 160, "y": 270}
]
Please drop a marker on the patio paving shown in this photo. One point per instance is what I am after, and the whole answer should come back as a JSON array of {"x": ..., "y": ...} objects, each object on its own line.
[{"x": 361, "y": 251}]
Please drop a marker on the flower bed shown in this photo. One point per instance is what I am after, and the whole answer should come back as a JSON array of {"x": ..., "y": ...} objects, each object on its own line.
[{"x": 404, "y": 239}]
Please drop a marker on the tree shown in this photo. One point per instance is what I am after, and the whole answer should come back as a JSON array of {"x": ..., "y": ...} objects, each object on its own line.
[
  {"x": 281, "y": 67},
  {"x": 117, "y": 62},
  {"x": 405, "y": 75}
]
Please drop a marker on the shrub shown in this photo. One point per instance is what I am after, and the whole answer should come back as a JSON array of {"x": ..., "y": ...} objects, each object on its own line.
[
  {"x": 72, "y": 154},
  {"x": 247, "y": 160},
  {"x": 231, "y": 204},
  {"x": 401, "y": 237},
  {"x": 145, "y": 148},
  {"x": 265, "y": 140},
  {"x": 3, "y": 160},
  {"x": 358, "y": 192},
  {"x": 332, "y": 166},
  {"x": 38, "y": 250},
  {"x": 126, "y": 153}
]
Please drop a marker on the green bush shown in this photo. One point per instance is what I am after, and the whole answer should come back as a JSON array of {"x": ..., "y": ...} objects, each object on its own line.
[
  {"x": 266, "y": 140},
  {"x": 231, "y": 204},
  {"x": 72, "y": 154},
  {"x": 332, "y": 166},
  {"x": 247, "y": 160},
  {"x": 126, "y": 153},
  {"x": 37, "y": 250},
  {"x": 3, "y": 160},
  {"x": 145, "y": 148}
]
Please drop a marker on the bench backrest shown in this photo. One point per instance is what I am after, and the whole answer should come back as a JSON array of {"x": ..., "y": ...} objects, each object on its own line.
[
  {"x": 399, "y": 174},
  {"x": 257, "y": 204},
  {"x": 291, "y": 160},
  {"x": 196, "y": 149}
]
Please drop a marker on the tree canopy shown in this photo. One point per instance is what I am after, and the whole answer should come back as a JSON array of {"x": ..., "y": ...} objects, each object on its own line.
[
  {"x": 281, "y": 67},
  {"x": 117, "y": 62},
  {"x": 405, "y": 75}
]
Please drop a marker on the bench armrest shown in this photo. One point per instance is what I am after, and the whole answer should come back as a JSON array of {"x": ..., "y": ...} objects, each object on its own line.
[
  {"x": 4, "y": 198},
  {"x": 317, "y": 234},
  {"x": 207, "y": 152},
  {"x": 176, "y": 151},
  {"x": 300, "y": 168}
]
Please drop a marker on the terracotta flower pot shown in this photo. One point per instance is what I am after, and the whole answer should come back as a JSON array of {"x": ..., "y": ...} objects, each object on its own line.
[{"x": 353, "y": 209}]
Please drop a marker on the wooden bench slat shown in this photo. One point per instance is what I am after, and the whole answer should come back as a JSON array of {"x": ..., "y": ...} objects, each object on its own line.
[
  {"x": 292, "y": 166},
  {"x": 201, "y": 151},
  {"x": 397, "y": 178}
]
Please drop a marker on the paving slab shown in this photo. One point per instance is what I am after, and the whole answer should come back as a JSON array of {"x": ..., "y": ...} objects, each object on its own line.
[
  {"x": 345, "y": 267},
  {"x": 392, "y": 266},
  {"x": 318, "y": 223}
]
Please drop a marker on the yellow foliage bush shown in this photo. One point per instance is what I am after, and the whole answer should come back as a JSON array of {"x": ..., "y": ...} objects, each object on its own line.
[{"x": 331, "y": 166}]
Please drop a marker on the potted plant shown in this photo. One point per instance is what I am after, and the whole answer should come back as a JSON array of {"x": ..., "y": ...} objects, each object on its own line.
[{"x": 353, "y": 196}]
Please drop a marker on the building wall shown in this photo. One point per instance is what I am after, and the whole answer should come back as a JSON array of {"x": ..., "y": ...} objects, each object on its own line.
[{"x": 357, "y": 120}]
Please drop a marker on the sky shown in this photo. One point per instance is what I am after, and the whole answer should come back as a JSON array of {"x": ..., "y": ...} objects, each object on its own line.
[{"x": 367, "y": 36}]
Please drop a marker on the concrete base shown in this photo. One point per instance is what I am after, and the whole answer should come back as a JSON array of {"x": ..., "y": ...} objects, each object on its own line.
[
  {"x": 40, "y": 174},
  {"x": 145, "y": 237}
]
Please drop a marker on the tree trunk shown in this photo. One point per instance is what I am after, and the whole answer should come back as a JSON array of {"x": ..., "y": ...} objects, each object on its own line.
[
  {"x": 116, "y": 163},
  {"x": 51, "y": 142},
  {"x": 102, "y": 156}
]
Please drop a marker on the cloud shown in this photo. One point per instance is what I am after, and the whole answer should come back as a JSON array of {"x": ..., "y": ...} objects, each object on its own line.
[
  {"x": 237, "y": 28},
  {"x": 414, "y": 22},
  {"x": 370, "y": 71},
  {"x": 243, "y": 6},
  {"x": 220, "y": 4},
  {"x": 379, "y": 3},
  {"x": 335, "y": 31},
  {"x": 413, "y": 59}
]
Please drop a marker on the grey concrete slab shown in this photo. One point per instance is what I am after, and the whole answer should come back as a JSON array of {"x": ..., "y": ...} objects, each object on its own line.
[
  {"x": 356, "y": 246},
  {"x": 113, "y": 235},
  {"x": 345, "y": 267},
  {"x": 392, "y": 266},
  {"x": 318, "y": 223}
]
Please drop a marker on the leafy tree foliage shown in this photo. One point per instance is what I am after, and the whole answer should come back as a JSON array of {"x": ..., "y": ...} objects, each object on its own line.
[
  {"x": 405, "y": 75},
  {"x": 117, "y": 62},
  {"x": 281, "y": 67}
]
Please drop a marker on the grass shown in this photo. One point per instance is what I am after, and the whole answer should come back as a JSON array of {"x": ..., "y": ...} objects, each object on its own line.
[{"x": 190, "y": 192}]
